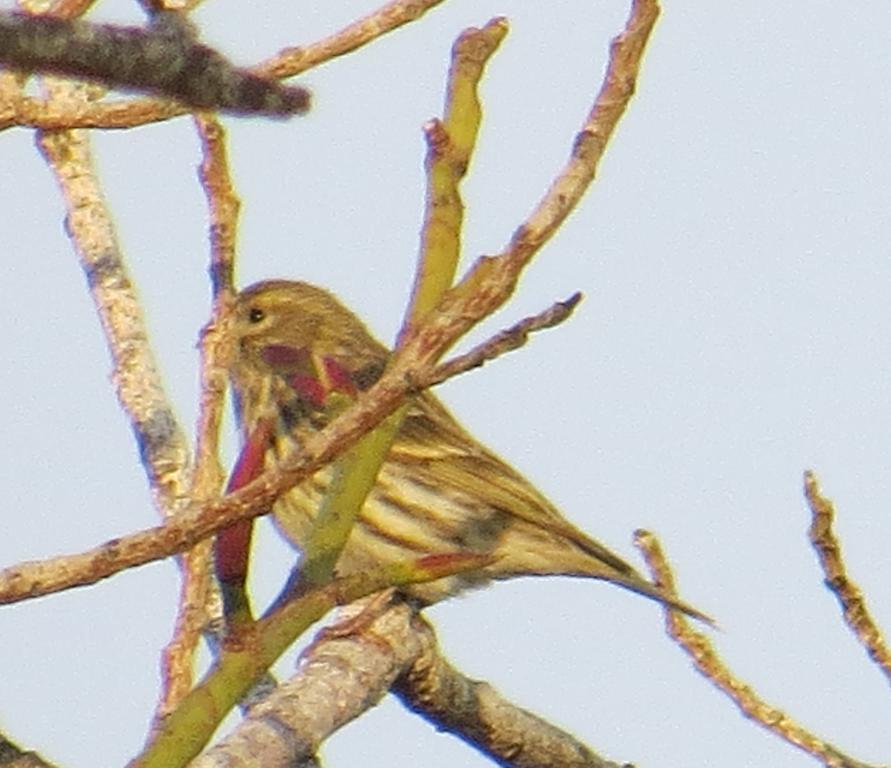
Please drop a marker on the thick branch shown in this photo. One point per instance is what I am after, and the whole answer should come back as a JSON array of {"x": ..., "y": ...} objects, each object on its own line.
[
  {"x": 38, "y": 113},
  {"x": 345, "y": 673},
  {"x": 477, "y": 713},
  {"x": 287, "y": 728},
  {"x": 162, "y": 444},
  {"x": 163, "y": 58},
  {"x": 244, "y": 660}
]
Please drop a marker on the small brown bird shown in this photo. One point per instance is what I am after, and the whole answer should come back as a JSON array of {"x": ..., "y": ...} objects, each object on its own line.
[{"x": 439, "y": 491}]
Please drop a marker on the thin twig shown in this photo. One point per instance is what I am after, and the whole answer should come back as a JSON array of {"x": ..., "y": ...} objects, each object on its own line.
[
  {"x": 492, "y": 280},
  {"x": 503, "y": 342},
  {"x": 224, "y": 206},
  {"x": 709, "y": 664},
  {"x": 389, "y": 17},
  {"x": 845, "y": 589},
  {"x": 450, "y": 145},
  {"x": 199, "y": 600}
]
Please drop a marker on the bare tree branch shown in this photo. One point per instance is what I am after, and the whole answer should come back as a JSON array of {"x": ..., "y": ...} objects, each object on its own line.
[
  {"x": 163, "y": 58},
  {"x": 140, "y": 391},
  {"x": 130, "y": 113},
  {"x": 850, "y": 598},
  {"x": 709, "y": 664},
  {"x": 503, "y": 342},
  {"x": 392, "y": 646},
  {"x": 387, "y": 18},
  {"x": 450, "y": 145},
  {"x": 287, "y": 728},
  {"x": 477, "y": 713},
  {"x": 199, "y": 600}
]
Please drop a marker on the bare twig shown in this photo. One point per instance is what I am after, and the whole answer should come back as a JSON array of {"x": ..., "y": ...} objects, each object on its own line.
[
  {"x": 222, "y": 202},
  {"x": 52, "y": 115},
  {"x": 450, "y": 145},
  {"x": 224, "y": 207},
  {"x": 492, "y": 280},
  {"x": 199, "y": 600},
  {"x": 708, "y": 663},
  {"x": 503, "y": 342},
  {"x": 850, "y": 598},
  {"x": 389, "y": 17}
]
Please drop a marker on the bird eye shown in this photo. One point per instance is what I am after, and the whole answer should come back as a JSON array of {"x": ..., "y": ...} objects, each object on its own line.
[{"x": 256, "y": 315}]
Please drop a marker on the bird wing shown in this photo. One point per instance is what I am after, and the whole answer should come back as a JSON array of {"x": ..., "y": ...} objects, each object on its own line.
[{"x": 441, "y": 451}]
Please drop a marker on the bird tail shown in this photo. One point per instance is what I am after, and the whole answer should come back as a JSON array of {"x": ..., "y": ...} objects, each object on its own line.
[
  {"x": 524, "y": 552},
  {"x": 638, "y": 584}
]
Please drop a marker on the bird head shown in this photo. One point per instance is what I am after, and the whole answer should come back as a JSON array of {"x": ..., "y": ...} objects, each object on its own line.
[{"x": 304, "y": 334}]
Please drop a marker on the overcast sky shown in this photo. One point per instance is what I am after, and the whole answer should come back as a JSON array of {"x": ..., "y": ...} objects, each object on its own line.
[{"x": 735, "y": 260}]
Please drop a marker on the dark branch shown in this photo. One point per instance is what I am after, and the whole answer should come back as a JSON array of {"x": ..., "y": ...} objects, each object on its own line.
[{"x": 164, "y": 58}]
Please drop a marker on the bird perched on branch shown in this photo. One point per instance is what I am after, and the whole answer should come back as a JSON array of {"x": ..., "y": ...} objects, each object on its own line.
[{"x": 438, "y": 492}]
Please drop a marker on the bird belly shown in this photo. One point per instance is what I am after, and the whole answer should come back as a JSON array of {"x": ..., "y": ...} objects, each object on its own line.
[{"x": 402, "y": 519}]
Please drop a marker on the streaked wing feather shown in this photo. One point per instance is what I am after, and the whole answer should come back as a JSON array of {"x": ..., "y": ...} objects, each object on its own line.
[{"x": 443, "y": 455}]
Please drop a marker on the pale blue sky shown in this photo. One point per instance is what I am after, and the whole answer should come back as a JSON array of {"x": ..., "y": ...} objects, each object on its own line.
[{"x": 735, "y": 260}]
